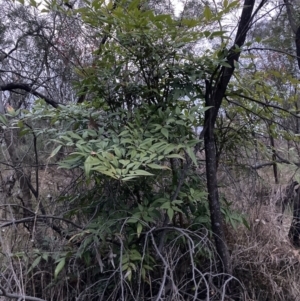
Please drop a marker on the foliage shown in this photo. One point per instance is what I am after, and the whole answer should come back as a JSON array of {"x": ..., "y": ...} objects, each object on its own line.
[
  {"x": 134, "y": 140},
  {"x": 135, "y": 221}
]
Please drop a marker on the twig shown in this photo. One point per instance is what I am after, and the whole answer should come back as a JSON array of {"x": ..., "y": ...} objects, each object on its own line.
[
  {"x": 28, "y": 88},
  {"x": 174, "y": 197},
  {"x": 162, "y": 286},
  {"x": 38, "y": 217},
  {"x": 18, "y": 297}
]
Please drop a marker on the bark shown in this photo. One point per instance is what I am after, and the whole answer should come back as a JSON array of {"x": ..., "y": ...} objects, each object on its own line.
[
  {"x": 290, "y": 14},
  {"x": 29, "y": 89},
  {"x": 215, "y": 91},
  {"x": 274, "y": 157},
  {"x": 294, "y": 233},
  {"x": 295, "y": 226},
  {"x": 297, "y": 123},
  {"x": 297, "y": 41}
]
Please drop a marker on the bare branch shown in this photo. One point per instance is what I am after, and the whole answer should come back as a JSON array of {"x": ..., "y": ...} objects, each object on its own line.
[
  {"x": 28, "y": 88},
  {"x": 38, "y": 217},
  {"x": 267, "y": 105},
  {"x": 18, "y": 297},
  {"x": 273, "y": 50}
]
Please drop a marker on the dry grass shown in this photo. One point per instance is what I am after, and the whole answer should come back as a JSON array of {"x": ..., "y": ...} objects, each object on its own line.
[{"x": 262, "y": 256}]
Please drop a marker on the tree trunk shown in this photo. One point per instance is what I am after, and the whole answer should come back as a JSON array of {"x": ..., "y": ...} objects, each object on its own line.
[
  {"x": 295, "y": 226},
  {"x": 294, "y": 233},
  {"x": 215, "y": 91},
  {"x": 214, "y": 203},
  {"x": 274, "y": 157}
]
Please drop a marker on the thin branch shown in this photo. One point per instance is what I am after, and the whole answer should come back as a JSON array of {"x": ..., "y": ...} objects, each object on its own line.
[
  {"x": 280, "y": 161},
  {"x": 174, "y": 197},
  {"x": 28, "y": 88},
  {"x": 287, "y": 161},
  {"x": 259, "y": 7},
  {"x": 28, "y": 165},
  {"x": 272, "y": 49},
  {"x": 18, "y": 297},
  {"x": 259, "y": 166},
  {"x": 38, "y": 217},
  {"x": 256, "y": 114},
  {"x": 166, "y": 267},
  {"x": 36, "y": 191},
  {"x": 267, "y": 104}
]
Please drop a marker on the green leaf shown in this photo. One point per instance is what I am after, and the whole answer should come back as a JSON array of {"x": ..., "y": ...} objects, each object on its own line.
[
  {"x": 118, "y": 152},
  {"x": 170, "y": 213},
  {"x": 143, "y": 273},
  {"x": 133, "y": 220},
  {"x": 128, "y": 274},
  {"x": 124, "y": 162},
  {"x": 166, "y": 205},
  {"x": 24, "y": 132},
  {"x": 156, "y": 166},
  {"x": 175, "y": 156},
  {"x": 192, "y": 155},
  {"x": 35, "y": 263},
  {"x": 55, "y": 151},
  {"x": 3, "y": 119},
  {"x": 45, "y": 256},
  {"x": 88, "y": 165},
  {"x": 233, "y": 4},
  {"x": 225, "y": 64},
  {"x": 74, "y": 135},
  {"x": 59, "y": 267},
  {"x": 133, "y": 4},
  {"x": 139, "y": 229},
  {"x": 207, "y": 13},
  {"x": 135, "y": 255},
  {"x": 258, "y": 39},
  {"x": 165, "y": 132},
  {"x": 33, "y": 3},
  {"x": 128, "y": 178},
  {"x": 107, "y": 172},
  {"x": 245, "y": 223},
  {"x": 140, "y": 172},
  {"x": 236, "y": 64},
  {"x": 170, "y": 148}
]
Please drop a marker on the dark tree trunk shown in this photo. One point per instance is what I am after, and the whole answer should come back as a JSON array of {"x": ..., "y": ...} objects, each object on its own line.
[
  {"x": 274, "y": 158},
  {"x": 214, "y": 203},
  {"x": 297, "y": 121},
  {"x": 294, "y": 233},
  {"x": 215, "y": 92},
  {"x": 294, "y": 23},
  {"x": 297, "y": 41}
]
